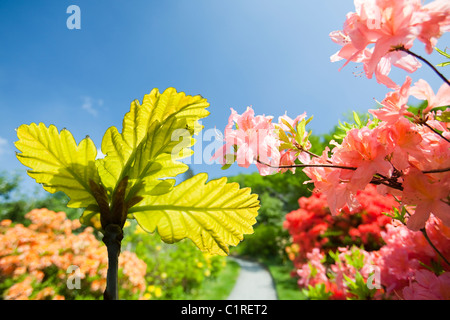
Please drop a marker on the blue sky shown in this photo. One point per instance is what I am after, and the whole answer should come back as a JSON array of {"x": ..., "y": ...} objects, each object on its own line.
[{"x": 272, "y": 55}]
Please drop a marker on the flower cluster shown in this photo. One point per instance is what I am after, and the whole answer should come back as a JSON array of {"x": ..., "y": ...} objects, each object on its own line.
[
  {"x": 406, "y": 252},
  {"x": 404, "y": 154},
  {"x": 337, "y": 280},
  {"x": 398, "y": 268},
  {"x": 251, "y": 139},
  {"x": 373, "y": 34},
  {"x": 312, "y": 226},
  {"x": 37, "y": 261},
  {"x": 428, "y": 286},
  {"x": 405, "y": 158}
]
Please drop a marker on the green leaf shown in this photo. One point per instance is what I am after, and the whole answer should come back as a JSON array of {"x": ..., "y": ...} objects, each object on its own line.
[
  {"x": 58, "y": 163},
  {"x": 229, "y": 159},
  {"x": 444, "y": 117},
  {"x": 317, "y": 292},
  {"x": 287, "y": 124},
  {"x": 151, "y": 131},
  {"x": 301, "y": 129},
  {"x": 282, "y": 136},
  {"x": 445, "y": 54},
  {"x": 397, "y": 214},
  {"x": 213, "y": 215},
  {"x": 357, "y": 120}
]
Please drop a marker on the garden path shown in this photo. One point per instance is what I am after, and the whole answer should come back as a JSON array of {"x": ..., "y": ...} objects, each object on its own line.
[{"x": 253, "y": 283}]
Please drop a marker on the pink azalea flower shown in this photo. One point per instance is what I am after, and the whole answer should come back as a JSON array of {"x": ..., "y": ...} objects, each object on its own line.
[
  {"x": 362, "y": 149},
  {"x": 405, "y": 138},
  {"x": 399, "y": 59},
  {"x": 427, "y": 193},
  {"x": 253, "y": 137},
  {"x": 287, "y": 159},
  {"x": 328, "y": 181},
  {"x": 436, "y": 22},
  {"x": 394, "y": 104},
  {"x": 422, "y": 90},
  {"x": 387, "y": 24},
  {"x": 435, "y": 150},
  {"x": 428, "y": 286},
  {"x": 314, "y": 271}
]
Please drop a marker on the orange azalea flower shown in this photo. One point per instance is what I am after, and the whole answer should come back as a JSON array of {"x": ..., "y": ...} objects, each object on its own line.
[{"x": 49, "y": 243}]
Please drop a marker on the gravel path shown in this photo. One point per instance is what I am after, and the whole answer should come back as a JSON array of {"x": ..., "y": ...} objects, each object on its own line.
[{"x": 254, "y": 282}]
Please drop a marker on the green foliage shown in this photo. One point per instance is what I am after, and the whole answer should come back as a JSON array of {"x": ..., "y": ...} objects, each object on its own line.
[
  {"x": 220, "y": 287},
  {"x": 286, "y": 285},
  {"x": 269, "y": 237},
  {"x": 173, "y": 271},
  {"x": 397, "y": 214},
  {"x": 8, "y": 185},
  {"x": 135, "y": 178},
  {"x": 269, "y": 214},
  {"x": 287, "y": 187},
  {"x": 355, "y": 283},
  {"x": 14, "y": 204},
  {"x": 358, "y": 287},
  {"x": 278, "y": 194},
  {"x": 296, "y": 138},
  {"x": 317, "y": 292},
  {"x": 444, "y": 117},
  {"x": 213, "y": 216},
  {"x": 359, "y": 121},
  {"x": 266, "y": 242}
]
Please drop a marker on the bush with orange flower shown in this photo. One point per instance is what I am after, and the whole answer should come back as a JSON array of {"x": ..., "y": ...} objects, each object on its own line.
[{"x": 53, "y": 258}]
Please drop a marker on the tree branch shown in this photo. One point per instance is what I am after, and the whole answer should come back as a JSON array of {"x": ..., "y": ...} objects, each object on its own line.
[
  {"x": 308, "y": 166},
  {"x": 437, "y": 132},
  {"x": 402, "y": 48},
  {"x": 112, "y": 239},
  {"x": 424, "y": 232}
]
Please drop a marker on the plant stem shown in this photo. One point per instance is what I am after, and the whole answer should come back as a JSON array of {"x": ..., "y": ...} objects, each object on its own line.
[
  {"x": 436, "y": 170},
  {"x": 308, "y": 166},
  {"x": 401, "y": 48},
  {"x": 112, "y": 239},
  {"x": 438, "y": 133},
  {"x": 424, "y": 232}
]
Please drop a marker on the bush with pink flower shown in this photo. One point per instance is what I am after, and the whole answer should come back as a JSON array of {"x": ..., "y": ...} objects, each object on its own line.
[
  {"x": 329, "y": 268},
  {"x": 312, "y": 225},
  {"x": 404, "y": 153}
]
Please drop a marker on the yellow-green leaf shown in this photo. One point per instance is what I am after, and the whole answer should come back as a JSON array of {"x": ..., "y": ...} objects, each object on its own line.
[
  {"x": 58, "y": 163},
  {"x": 213, "y": 215},
  {"x": 149, "y": 134}
]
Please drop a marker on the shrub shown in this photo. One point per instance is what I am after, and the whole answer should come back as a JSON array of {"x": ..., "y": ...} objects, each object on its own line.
[
  {"x": 173, "y": 270},
  {"x": 42, "y": 260},
  {"x": 366, "y": 254},
  {"x": 313, "y": 226}
]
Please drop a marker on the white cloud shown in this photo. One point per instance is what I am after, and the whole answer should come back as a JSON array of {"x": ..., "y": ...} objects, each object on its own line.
[{"x": 90, "y": 105}]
